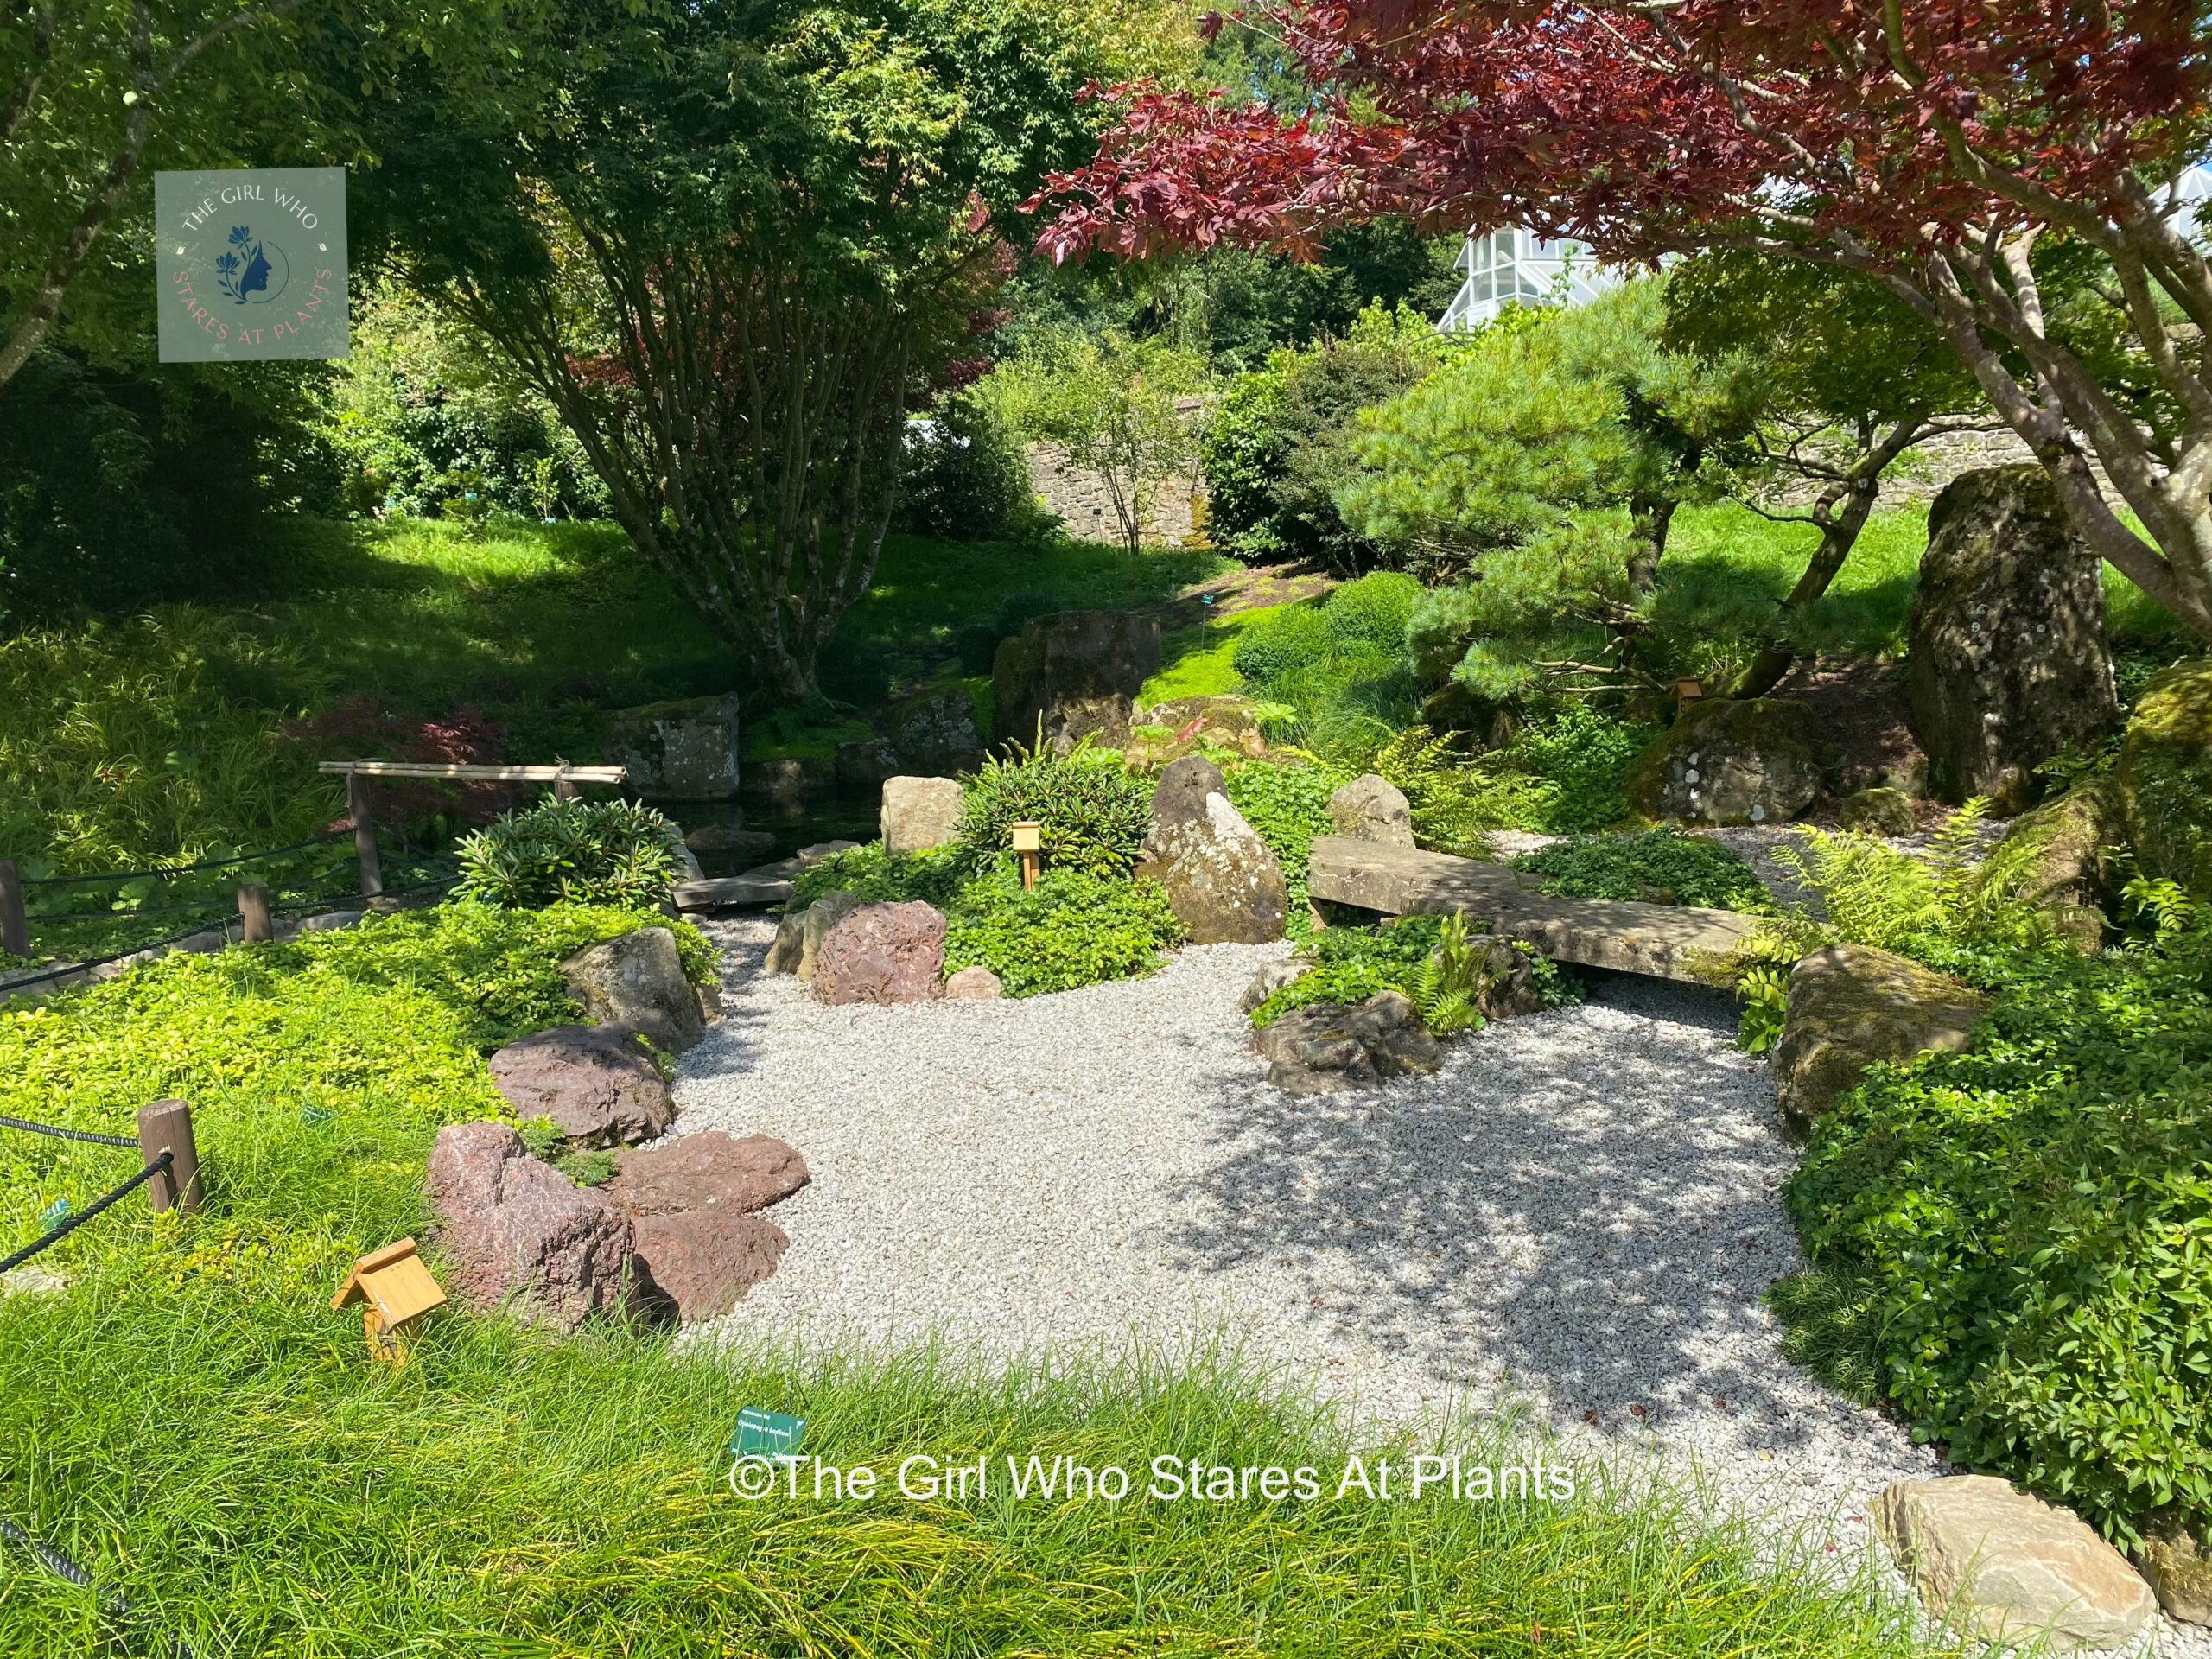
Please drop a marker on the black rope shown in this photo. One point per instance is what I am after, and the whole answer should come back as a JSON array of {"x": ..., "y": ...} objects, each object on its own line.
[
  {"x": 205, "y": 905},
  {"x": 67, "y": 969},
  {"x": 171, "y": 873},
  {"x": 61, "y": 1133},
  {"x": 112, "y": 1602},
  {"x": 160, "y": 1166}
]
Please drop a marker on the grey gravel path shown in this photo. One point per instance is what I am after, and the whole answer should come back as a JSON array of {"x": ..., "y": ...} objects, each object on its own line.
[{"x": 1577, "y": 1215}]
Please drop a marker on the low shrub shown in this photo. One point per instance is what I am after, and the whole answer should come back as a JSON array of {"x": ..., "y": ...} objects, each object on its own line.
[
  {"x": 1659, "y": 865},
  {"x": 1094, "y": 812},
  {"x": 1353, "y": 963},
  {"x": 1073, "y": 928},
  {"x": 875, "y": 877},
  {"x": 572, "y": 852},
  {"x": 967, "y": 478},
  {"x": 1584, "y": 754},
  {"x": 2014, "y": 1236},
  {"x": 1340, "y": 666},
  {"x": 977, "y": 644}
]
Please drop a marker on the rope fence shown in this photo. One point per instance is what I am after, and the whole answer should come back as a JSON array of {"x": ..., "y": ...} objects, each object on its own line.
[
  {"x": 172, "y": 872},
  {"x": 70, "y": 1223},
  {"x": 61, "y": 1133},
  {"x": 111, "y": 1602}
]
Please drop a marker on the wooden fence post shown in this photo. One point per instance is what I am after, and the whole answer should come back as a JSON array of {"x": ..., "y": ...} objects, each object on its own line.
[
  {"x": 166, "y": 1126},
  {"x": 15, "y": 927},
  {"x": 255, "y": 925},
  {"x": 365, "y": 835}
]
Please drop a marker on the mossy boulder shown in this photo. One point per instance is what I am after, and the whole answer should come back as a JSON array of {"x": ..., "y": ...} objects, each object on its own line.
[
  {"x": 1852, "y": 1005},
  {"x": 2058, "y": 858},
  {"x": 1879, "y": 812},
  {"x": 1071, "y": 675},
  {"x": 682, "y": 750},
  {"x": 1749, "y": 760},
  {"x": 2164, "y": 779},
  {"x": 2008, "y": 662}
]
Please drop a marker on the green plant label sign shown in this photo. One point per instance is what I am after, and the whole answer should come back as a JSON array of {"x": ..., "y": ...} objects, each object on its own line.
[
  {"x": 766, "y": 1434},
  {"x": 252, "y": 264}
]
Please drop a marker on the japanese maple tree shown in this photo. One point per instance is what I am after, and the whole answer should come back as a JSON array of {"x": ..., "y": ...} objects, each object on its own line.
[{"x": 1962, "y": 152}]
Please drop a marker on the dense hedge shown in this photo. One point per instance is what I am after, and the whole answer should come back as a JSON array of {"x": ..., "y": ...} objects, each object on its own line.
[{"x": 2012, "y": 1243}]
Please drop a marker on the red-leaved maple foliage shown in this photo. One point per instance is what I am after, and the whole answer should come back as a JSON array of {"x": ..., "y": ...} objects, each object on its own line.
[{"x": 1932, "y": 144}]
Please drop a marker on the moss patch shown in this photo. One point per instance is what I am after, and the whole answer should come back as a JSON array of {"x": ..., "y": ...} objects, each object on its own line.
[{"x": 2166, "y": 776}]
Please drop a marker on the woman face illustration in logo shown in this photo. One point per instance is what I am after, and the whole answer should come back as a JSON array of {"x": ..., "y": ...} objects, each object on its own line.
[{"x": 252, "y": 271}]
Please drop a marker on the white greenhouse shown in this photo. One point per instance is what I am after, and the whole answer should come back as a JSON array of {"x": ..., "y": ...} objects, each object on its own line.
[{"x": 1509, "y": 265}]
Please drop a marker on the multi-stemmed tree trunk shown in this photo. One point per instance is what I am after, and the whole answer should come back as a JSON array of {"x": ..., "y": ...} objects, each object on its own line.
[{"x": 747, "y": 420}]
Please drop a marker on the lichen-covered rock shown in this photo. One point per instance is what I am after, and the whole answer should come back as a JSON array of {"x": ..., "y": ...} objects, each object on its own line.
[
  {"x": 2166, "y": 776},
  {"x": 2180, "y": 1571},
  {"x": 597, "y": 1084},
  {"x": 2058, "y": 858},
  {"x": 799, "y": 933},
  {"x": 882, "y": 953},
  {"x": 1508, "y": 988},
  {"x": 1371, "y": 808},
  {"x": 2008, "y": 662},
  {"x": 1231, "y": 721},
  {"x": 681, "y": 751},
  {"x": 1996, "y": 1563},
  {"x": 516, "y": 1233},
  {"x": 1879, "y": 812},
  {"x": 1851, "y": 1005},
  {"x": 638, "y": 981},
  {"x": 1069, "y": 675},
  {"x": 919, "y": 813},
  {"x": 1325, "y": 1046},
  {"x": 706, "y": 1171},
  {"x": 1271, "y": 979},
  {"x": 973, "y": 985},
  {"x": 1222, "y": 880},
  {"x": 862, "y": 763},
  {"x": 935, "y": 732},
  {"x": 700, "y": 1264},
  {"x": 732, "y": 842},
  {"x": 1731, "y": 760}
]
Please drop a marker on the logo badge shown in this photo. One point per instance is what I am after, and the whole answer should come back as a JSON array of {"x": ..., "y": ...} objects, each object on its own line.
[{"x": 252, "y": 263}]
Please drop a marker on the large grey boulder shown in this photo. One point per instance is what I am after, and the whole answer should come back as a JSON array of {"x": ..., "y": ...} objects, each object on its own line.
[
  {"x": 1326, "y": 1046},
  {"x": 733, "y": 843},
  {"x": 1998, "y": 1564},
  {"x": 638, "y": 981},
  {"x": 707, "y": 1170},
  {"x": 597, "y": 1084},
  {"x": 1272, "y": 978},
  {"x": 1879, "y": 812},
  {"x": 680, "y": 751},
  {"x": 1851, "y": 1005},
  {"x": 1731, "y": 760},
  {"x": 1223, "y": 881},
  {"x": 864, "y": 762},
  {"x": 516, "y": 1233},
  {"x": 882, "y": 953},
  {"x": 699, "y": 1264},
  {"x": 934, "y": 732},
  {"x": 799, "y": 934},
  {"x": 1072, "y": 676},
  {"x": 2007, "y": 659},
  {"x": 919, "y": 813},
  {"x": 1371, "y": 808}
]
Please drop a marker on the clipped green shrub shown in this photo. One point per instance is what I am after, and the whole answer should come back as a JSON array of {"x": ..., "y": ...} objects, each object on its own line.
[
  {"x": 1093, "y": 813},
  {"x": 2015, "y": 1236},
  {"x": 572, "y": 852},
  {"x": 1073, "y": 928},
  {"x": 1685, "y": 869},
  {"x": 1293, "y": 637},
  {"x": 1341, "y": 666}
]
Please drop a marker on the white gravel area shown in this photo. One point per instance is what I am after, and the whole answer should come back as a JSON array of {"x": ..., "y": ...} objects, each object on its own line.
[{"x": 1577, "y": 1217}]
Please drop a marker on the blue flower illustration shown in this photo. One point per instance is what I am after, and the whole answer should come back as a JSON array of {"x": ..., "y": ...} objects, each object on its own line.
[
  {"x": 240, "y": 235},
  {"x": 227, "y": 262}
]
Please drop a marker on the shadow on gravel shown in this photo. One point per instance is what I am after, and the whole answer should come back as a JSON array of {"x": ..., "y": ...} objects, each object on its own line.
[{"x": 1582, "y": 1207}]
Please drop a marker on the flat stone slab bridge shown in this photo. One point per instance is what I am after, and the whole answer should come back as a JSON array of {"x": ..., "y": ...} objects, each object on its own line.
[{"x": 1661, "y": 940}]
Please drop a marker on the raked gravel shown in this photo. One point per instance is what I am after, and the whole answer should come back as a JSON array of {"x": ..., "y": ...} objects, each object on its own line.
[{"x": 1577, "y": 1216}]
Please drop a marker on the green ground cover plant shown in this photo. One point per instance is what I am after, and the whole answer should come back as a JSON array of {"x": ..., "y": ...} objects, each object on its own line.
[
  {"x": 1288, "y": 806},
  {"x": 2009, "y": 1241},
  {"x": 1659, "y": 865},
  {"x": 1073, "y": 928}
]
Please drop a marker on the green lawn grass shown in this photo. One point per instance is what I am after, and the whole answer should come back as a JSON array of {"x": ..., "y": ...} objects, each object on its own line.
[{"x": 194, "y": 1423}]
